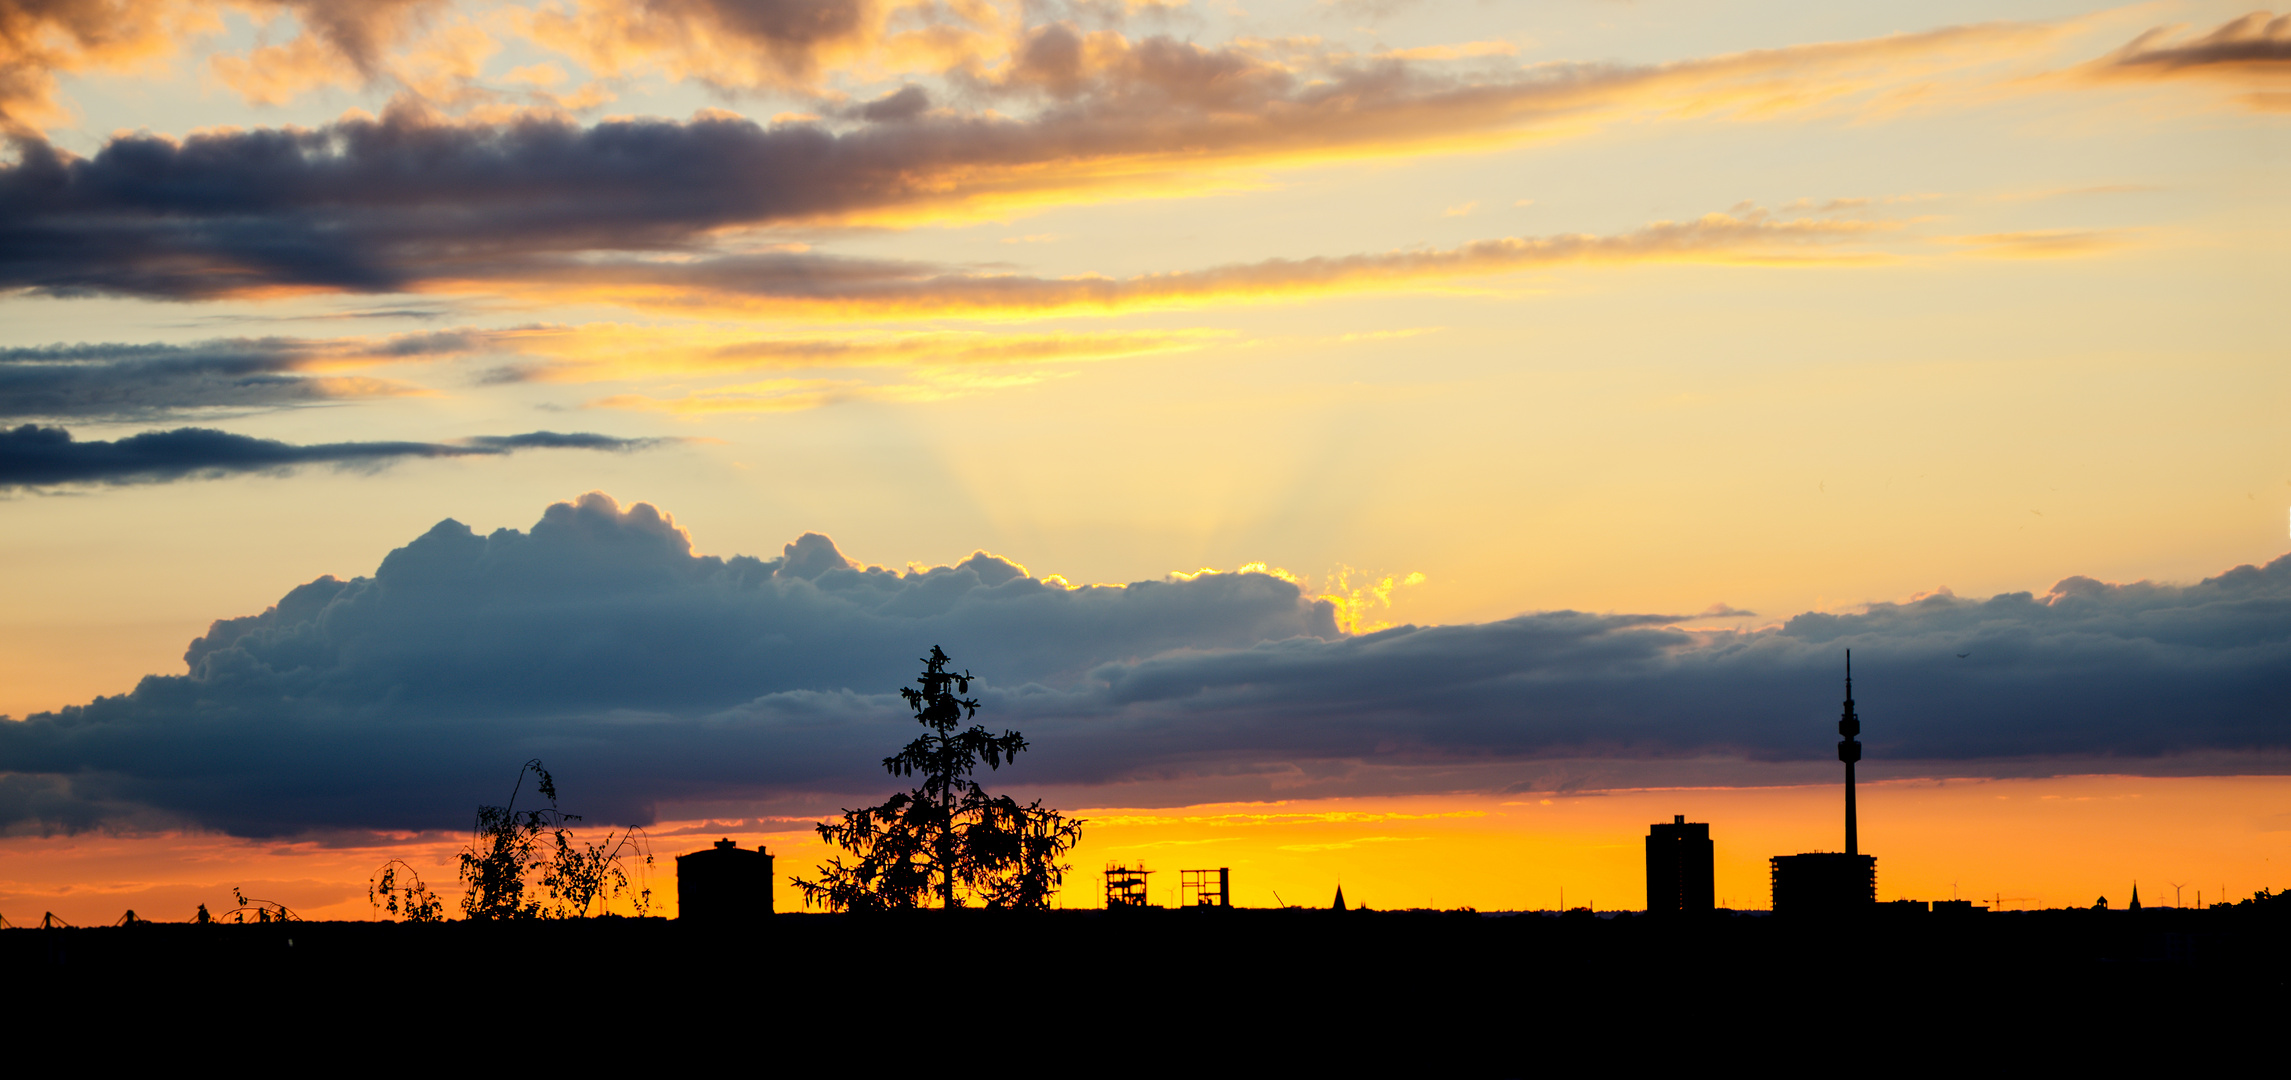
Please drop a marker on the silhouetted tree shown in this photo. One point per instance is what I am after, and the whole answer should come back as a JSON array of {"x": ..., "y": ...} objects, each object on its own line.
[
  {"x": 509, "y": 845},
  {"x": 947, "y": 838}
]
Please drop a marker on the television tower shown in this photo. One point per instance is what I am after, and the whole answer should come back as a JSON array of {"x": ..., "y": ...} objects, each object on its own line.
[{"x": 1849, "y": 751}]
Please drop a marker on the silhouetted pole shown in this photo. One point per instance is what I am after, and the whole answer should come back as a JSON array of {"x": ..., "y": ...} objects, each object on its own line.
[{"x": 1849, "y": 751}]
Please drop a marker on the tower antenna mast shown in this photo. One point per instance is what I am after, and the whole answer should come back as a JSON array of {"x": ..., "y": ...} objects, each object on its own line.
[{"x": 1849, "y": 751}]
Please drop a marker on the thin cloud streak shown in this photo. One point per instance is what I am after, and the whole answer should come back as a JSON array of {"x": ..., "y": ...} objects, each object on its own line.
[
  {"x": 825, "y": 286},
  {"x": 128, "y": 382},
  {"x": 117, "y": 381},
  {"x": 33, "y": 457}
]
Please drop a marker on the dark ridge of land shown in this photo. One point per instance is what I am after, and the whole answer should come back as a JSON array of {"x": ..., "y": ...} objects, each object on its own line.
[{"x": 1458, "y": 993}]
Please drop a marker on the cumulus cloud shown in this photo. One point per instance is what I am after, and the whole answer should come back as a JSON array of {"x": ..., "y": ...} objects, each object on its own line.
[
  {"x": 341, "y": 42},
  {"x": 602, "y": 643},
  {"x": 598, "y": 632},
  {"x": 411, "y": 199},
  {"x": 40, "y": 39},
  {"x": 32, "y": 456}
]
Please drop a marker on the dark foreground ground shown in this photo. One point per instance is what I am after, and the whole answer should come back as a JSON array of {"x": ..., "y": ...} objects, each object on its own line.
[{"x": 1191, "y": 992}]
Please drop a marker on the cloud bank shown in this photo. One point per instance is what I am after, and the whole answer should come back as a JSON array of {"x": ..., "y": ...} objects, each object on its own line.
[
  {"x": 32, "y": 456},
  {"x": 601, "y": 643},
  {"x": 413, "y": 199}
]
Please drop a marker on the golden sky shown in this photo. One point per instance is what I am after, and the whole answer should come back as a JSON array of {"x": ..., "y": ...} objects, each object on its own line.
[{"x": 1750, "y": 333}]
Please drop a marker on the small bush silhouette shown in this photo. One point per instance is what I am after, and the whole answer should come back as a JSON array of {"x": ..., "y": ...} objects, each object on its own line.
[{"x": 509, "y": 846}]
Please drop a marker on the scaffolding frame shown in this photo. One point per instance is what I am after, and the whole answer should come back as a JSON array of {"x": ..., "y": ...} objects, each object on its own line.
[
  {"x": 1126, "y": 885},
  {"x": 1205, "y": 888}
]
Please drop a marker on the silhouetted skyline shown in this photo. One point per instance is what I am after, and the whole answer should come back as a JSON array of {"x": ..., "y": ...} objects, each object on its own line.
[{"x": 1388, "y": 442}]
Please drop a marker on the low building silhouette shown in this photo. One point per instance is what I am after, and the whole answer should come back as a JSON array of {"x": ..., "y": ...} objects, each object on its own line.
[
  {"x": 723, "y": 885},
  {"x": 1679, "y": 862},
  {"x": 1823, "y": 883}
]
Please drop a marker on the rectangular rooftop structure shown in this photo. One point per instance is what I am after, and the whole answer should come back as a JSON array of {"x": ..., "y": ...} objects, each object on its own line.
[{"x": 724, "y": 885}]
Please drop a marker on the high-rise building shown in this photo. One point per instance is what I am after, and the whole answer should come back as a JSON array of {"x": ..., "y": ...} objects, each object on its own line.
[{"x": 1679, "y": 868}]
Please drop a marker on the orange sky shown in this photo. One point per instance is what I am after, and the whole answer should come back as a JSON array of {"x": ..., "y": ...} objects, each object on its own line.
[{"x": 2036, "y": 843}]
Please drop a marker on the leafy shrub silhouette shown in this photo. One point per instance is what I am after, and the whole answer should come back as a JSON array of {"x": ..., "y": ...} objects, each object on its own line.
[
  {"x": 398, "y": 889},
  {"x": 508, "y": 846}
]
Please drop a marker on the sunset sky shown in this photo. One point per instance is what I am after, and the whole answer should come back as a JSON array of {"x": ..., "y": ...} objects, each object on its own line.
[{"x": 1414, "y": 444}]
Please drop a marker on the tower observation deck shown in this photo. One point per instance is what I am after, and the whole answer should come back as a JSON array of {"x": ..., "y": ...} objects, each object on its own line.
[
  {"x": 1849, "y": 751},
  {"x": 1830, "y": 882}
]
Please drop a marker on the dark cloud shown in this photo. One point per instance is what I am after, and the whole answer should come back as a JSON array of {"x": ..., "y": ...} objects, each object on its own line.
[
  {"x": 2250, "y": 45},
  {"x": 1118, "y": 76},
  {"x": 389, "y": 203},
  {"x": 36, "y": 457},
  {"x": 599, "y": 642},
  {"x": 790, "y": 27},
  {"x": 599, "y": 632},
  {"x": 906, "y": 103},
  {"x": 552, "y": 440},
  {"x": 731, "y": 44},
  {"x": 360, "y": 30},
  {"x": 409, "y": 200},
  {"x": 141, "y": 382}
]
